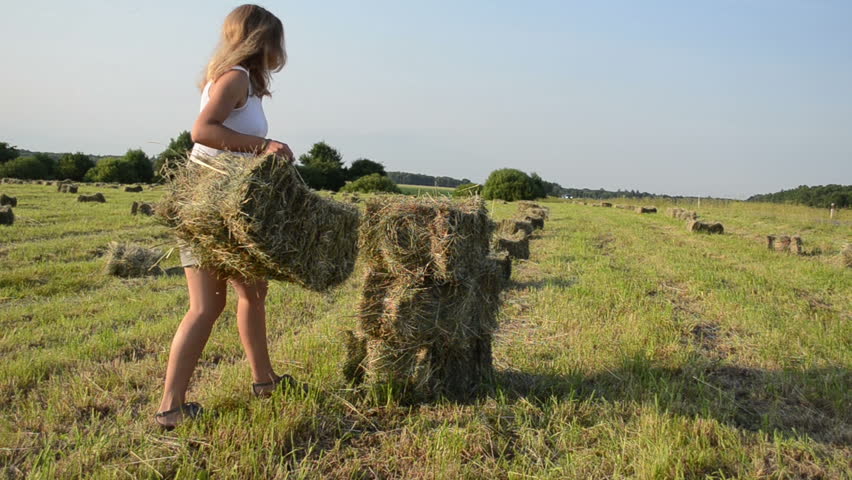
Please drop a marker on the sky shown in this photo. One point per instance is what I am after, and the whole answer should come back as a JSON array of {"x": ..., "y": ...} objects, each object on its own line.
[{"x": 706, "y": 97}]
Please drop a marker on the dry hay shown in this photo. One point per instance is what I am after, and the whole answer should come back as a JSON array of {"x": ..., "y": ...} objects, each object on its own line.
[
  {"x": 625, "y": 207},
  {"x": 646, "y": 209},
  {"x": 513, "y": 226},
  {"x": 504, "y": 261},
  {"x": 705, "y": 227},
  {"x": 605, "y": 204},
  {"x": 95, "y": 197},
  {"x": 6, "y": 200},
  {"x": 682, "y": 214},
  {"x": 517, "y": 246},
  {"x": 61, "y": 183},
  {"x": 258, "y": 219},
  {"x": 142, "y": 208},
  {"x": 532, "y": 209},
  {"x": 785, "y": 243},
  {"x": 536, "y": 222},
  {"x": 67, "y": 188},
  {"x": 135, "y": 189},
  {"x": 131, "y": 261},
  {"x": 7, "y": 216},
  {"x": 431, "y": 294}
]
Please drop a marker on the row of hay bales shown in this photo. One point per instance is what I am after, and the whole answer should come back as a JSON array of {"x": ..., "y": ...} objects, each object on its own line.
[
  {"x": 693, "y": 224},
  {"x": 785, "y": 243}
]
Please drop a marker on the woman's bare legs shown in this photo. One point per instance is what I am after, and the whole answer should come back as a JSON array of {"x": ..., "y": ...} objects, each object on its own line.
[
  {"x": 207, "y": 294},
  {"x": 251, "y": 322}
]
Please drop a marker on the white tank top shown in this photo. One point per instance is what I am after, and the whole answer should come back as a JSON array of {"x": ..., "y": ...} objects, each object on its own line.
[{"x": 248, "y": 119}]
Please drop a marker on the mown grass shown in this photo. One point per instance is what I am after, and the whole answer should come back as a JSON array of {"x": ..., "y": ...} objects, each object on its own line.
[{"x": 628, "y": 348}]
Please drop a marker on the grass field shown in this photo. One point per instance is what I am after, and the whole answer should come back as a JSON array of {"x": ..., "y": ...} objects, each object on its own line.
[
  {"x": 424, "y": 190},
  {"x": 628, "y": 348}
]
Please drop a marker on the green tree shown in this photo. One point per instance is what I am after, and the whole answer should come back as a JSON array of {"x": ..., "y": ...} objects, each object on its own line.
[
  {"x": 113, "y": 169},
  {"x": 539, "y": 188},
  {"x": 363, "y": 167},
  {"x": 141, "y": 165},
  {"x": 372, "y": 183},
  {"x": 7, "y": 152},
  {"x": 322, "y": 168},
  {"x": 28, "y": 168},
  {"x": 73, "y": 166},
  {"x": 173, "y": 156},
  {"x": 508, "y": 184},
  {"x": 467, "y": 190},
  {"x": 48, "y": 162}
]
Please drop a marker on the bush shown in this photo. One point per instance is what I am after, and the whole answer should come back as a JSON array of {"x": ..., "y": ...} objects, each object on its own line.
[
  {"x": 7, "y": 152},
  {"x": 363, "y": 167},
  {"x": 467, "y": 190},
  {"x": 509, "y": 184},
  {"x": 322, "y": 168},
  {"x": 28, "y": 168},
  {"x": 74, "y": 166},
  {"x": 112, "y": 169},
  {"x": 141, "y": 165},
  {"x": 373, "y": 183}
]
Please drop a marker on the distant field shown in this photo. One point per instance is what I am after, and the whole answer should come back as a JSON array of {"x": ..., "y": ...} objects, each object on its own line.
[
  {"x": 424, "y": 190},
  {"x": 628, "y": 348}
]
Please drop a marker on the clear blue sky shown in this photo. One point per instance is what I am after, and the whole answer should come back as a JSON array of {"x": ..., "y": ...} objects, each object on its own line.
[{"x": 709, "y": 97}]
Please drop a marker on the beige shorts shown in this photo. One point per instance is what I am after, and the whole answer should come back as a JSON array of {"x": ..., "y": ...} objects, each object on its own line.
[{"x": 187, "y": 259}]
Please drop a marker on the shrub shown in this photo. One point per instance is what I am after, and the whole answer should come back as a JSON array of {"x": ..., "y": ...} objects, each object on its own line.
[
  {"x": 371, "y": 184},
  {"x": 112, "y": 169},
  {"x": 30, "y": 168},
  {"x": 322, "y": 168},
  {"x": 74, "y": 166},
  {"x": 467, "y": 190},
  {"x": 7, "y": 152},
  {"x": 363, "y": 167},
  {"x": 509, "y": 184}
]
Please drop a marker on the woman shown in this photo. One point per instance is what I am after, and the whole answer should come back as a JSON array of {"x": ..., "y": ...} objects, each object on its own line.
[{"x": 231, "y": 119}]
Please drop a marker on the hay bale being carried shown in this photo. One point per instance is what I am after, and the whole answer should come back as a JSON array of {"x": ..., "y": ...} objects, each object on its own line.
[
  {"x": 254, "y": 217},
  {"x": 131, "y": 261},
  {"x": 6, "y": 200},
  {"x": 646, "y": 209},
  {"x": 95, "y": 197},
  {"x": 7, "y": 216},
  {"x": 429, "y": 302},
  {"x": 134, "y": 189},
  {"x": 517, "y": 246},
  {"x": 705, "y": 227}
]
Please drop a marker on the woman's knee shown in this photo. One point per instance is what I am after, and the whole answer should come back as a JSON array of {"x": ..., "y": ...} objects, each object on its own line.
[
  {"x": 207, "y": 312},
  {"x": 253, "y": 292}
]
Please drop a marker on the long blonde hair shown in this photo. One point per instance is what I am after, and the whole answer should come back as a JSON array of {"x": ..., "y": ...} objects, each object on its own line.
[{"x": 253, "y": 38}]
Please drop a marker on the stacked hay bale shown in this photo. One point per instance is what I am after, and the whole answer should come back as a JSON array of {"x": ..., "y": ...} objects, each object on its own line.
[
  {"x": 95, "y": 197},
  {"x": 785, "y": 243},
  {"x": 705, "y": 227},
  {"x": 256, "y": 218},
  {"x": 430, "y": 297},
  {"x": 134, "y": 189},
  {"x": 7, "y": 216},
  {"x": 6, "y": 200}
]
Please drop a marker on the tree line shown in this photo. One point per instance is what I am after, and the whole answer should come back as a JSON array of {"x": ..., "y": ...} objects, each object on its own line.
[{"x": 820, "y": 196}]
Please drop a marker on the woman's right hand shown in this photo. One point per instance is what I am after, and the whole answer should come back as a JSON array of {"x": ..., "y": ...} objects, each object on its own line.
[{"x": 281, "y": 149}]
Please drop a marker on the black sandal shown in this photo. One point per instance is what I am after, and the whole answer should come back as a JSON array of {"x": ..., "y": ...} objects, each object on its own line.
[
  {"x": 190, "y": 410},
  {"x": 282, "y": 382}
]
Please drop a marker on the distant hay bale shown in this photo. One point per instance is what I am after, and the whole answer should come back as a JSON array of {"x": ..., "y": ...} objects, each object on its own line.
[
  {"x": 142, "y": 208},
  {"x": 785, "y": 243},
  {"x": 846, "y": 255},
  {"x": 605, "y": 204},
  {"x": 532, "y": 209},
  {"x": 134, "y": 189},
  {"x": 256, "y": 218},
  {"x": 431, "y": 293},
  {"x": 61, "y": 183},
  {"x": 513, "y": 226},
  {"x": 517, "y": 246},
  {"x": 6, "y": 200},
  {"x": 48, "y": 183},
  {"x": 67, "y": 188},
  {"x": 7, "y": 216},
  {"x": 504, "y": 261},
  {"x": 682, "y": 214},
  {"x": 536, "y": 222},
  {"x": 131, "y": 261},
  {"x": 646, "y": 209},
  {"x": 134, "y": 208},
  {"x": 705, "y": 227},
  {"x": 95, "y": 197}
]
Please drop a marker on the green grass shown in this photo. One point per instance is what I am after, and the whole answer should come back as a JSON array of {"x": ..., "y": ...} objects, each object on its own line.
[
  {"x": 424, "y": 190},
  {"x": 628, "y": 348}
]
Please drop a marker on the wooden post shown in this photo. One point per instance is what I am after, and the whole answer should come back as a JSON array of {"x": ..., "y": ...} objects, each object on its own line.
[{"x": 831, "y": 215}]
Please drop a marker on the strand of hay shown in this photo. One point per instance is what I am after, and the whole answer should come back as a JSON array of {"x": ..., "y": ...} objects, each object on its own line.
[
  {"x": 260, "y": 220},
  {"x": 517, "y": 246},
  {"x": 6, "y": 200},
  {"x": 430, "y": 298},
  {"x": 646, "y": 209},
  {"x": 513, "y": 226},
  {"x": 7, "y": 216},
  {"x": 705, "y": 227},
  {"x": 136, "y": 189},
  {"x": 95, "y": 197},
  {"x": 131, "y": 261}
]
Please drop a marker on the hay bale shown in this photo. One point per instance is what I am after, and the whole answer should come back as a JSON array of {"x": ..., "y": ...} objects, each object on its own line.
[
  {"x": 134, "y": 208},
  {"x": 7, "y": 216},
  {"x": 48, "y": 183},
  {"x": 6, "y": 200},
  {"x": 147, "y": 209},
  {"x": 646, "y": 209},
  {"x": 68, "y": 188},
  {"x": 605, "y": 204},
  {"x": 131, "y": 261},
  {"x": 429, "y": 302},
  {"x": 682, "y": 214},
  {"x": 796, "y": 245},
  {"x": 846, "y": 255},
  {"x": 785, "y": 243},
  {"x": 260, "y": 220},
  {"x": 60, "y": 183},
  {"x": 705, "y": 227},
  {"x": 513, "y": 226},
  {"x": 536, "y": 222},
  {"x": 135, "y": 189},
  {"x": 95, "y": 197},
  {"x": 504, "y": 262},
  {"x": 517, "y": 246}
]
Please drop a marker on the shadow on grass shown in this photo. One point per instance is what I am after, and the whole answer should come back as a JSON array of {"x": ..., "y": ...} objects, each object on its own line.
[{"x": 814, "y": 402}]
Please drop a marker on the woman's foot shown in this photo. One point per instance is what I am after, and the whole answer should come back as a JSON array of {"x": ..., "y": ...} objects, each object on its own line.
[
  {"x": 282, "y": 382},
  {"x": 169, "y": 419}
]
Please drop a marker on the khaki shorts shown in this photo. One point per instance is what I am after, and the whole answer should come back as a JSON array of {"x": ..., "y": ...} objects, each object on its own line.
[{"x": 187, "y": 259}]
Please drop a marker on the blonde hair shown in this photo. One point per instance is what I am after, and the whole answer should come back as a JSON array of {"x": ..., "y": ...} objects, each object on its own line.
[{"x": 253, "y": 38}]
